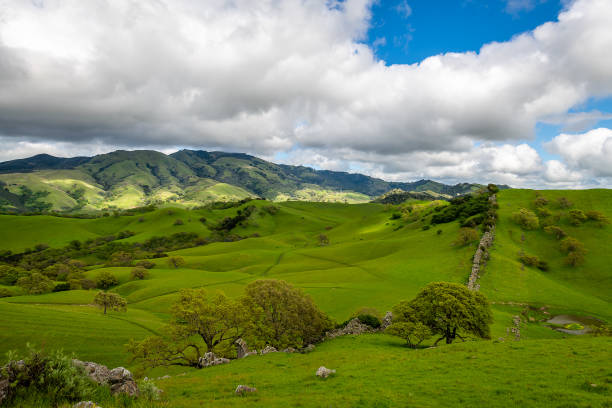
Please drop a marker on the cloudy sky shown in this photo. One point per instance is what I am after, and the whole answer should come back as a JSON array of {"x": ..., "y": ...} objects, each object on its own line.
[{"x": 508, "y": 91}]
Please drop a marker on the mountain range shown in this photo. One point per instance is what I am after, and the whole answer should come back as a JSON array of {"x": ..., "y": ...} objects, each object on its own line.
[{"x": 127, "y": 179}]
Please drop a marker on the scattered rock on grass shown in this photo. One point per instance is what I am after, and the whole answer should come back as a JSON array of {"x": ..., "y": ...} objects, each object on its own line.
[
  {"x": 324, "y": 372},
  {"x": 243, "y": 389},
  {"x": 210, "y": 359},
  {"x": 269, "y": 349},
  {"x": 86, "y": 404}
]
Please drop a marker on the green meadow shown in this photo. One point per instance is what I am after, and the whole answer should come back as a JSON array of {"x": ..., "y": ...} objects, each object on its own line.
[{"x": 372, "y": 259}]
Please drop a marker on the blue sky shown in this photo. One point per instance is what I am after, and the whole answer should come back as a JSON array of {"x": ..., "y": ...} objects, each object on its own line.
[{"x": 416, "y": 29}]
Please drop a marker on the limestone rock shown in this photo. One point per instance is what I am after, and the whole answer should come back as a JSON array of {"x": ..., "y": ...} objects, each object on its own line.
[
  {"x": 354, "y": 326},
  {"x": 386, "y": 321},
  {"x": 269, "y": 349},
  {"x": 309, "y": 348},
  {"x": 289, "y": 350},
  {"x": 243, "y": 389},
  {"x": 242, "y": 349},
  {"x": 324, "y": 372},
  {"x": 128, "y": 387},
  {"x": 210, "y": 359},
  {"x": 97, "y": 372},
  {"x": 86, "y": 404}
]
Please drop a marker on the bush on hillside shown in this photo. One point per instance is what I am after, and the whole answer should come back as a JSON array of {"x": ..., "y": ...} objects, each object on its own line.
[
  {"x": 575, "y": 251},
  {"x": 369, "y": 320},
  {"x": 36, "y": 284},
  {"x": 87, "y": 284},
  {"x": 466, "y": 236},
  {"x": 146, "y": 264},
  {"x": 61, "y": 287},
  {"x": 121, "y": 258},
  {"x": 526, "y": 219},
  {"x": 563, "y": 202},
  {"x": 139, "y": 273},
  {"x": 176, "y": 261},
  {"x": 577, "y": 217},
  {"x": 10, "y": 274},
  {"x": 284, "y": 316},
  {"x": 598, "y": 217},
  {"x": 532, "y": 260},
  {"x": 53, "y": 376},
  {"x": 555, "y": 231},
  {"x": 5, "y": 293},
  {"x": 540, "y": 202},
  {"x": 179, "y": 222},
  {"x": 106, "y": 280}
]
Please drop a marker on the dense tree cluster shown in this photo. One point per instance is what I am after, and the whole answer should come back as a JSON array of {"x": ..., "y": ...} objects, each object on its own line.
[{"x": 270, "y": 312}]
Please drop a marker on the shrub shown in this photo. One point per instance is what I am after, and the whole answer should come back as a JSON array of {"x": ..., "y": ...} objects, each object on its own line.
[
  {"x": 369, "y": 320},
  {"x": 52, "y": 375},
  {"x": 10, "y": 274},
  {"x": 323, "y": 240},
  {"x": 176, "y": 261},
  {"x": 395, "y": 216},
  {"x": 87, "y": 284},
  {"x": 598, "y": 217},
  {"x": 61, "y": 287},
  {"x": 425, "y": 227},
  {"x": 543, "y": 212},
  {"x": 563, "y": 202},
  {"x": 575, "y": 251},
  {"x": 203, "y": 220},
  {"x": 139, "y": 273},
  {"x": 526, "y": 219},
  {"x": 555, "y": 231},
  {"x": 439, "y": 232},
  {"x": 106, "y": 280},
  {"x": 466, "y": 236},
  {"x": 148, "y": 390},
  {"x": 36, "y": 284},
  {"x": 179, "y": 222},
  {"x": 5, "y": 293},
  {"x": 121, "y": 258},
  {"x": 532, "y": 260},
  {"x": 540, "y": 202},
  {"x": 146, "y": 264},
  {"x": 577, "y": 217}
]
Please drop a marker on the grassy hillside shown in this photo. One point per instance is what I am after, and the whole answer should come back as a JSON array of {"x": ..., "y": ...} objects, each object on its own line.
[
  {"x": 376, "y": 255},
  {"x": 128, "y": 179},
  {"x": 583, "y": 289}
]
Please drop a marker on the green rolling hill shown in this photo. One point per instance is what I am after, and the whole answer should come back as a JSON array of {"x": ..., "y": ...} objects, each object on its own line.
[
  {"x": 377, "y": 255},
  {"x": 128, "y": 179}
]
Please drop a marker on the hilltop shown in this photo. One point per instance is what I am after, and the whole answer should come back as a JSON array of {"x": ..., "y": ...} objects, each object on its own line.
[{"x": 127, "y": 179}]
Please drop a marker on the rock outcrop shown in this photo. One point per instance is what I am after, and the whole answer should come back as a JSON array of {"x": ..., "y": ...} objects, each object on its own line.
[
  {"x": 354, "y": 326},
  {"x": 324, "y": 372},
  {"x": 86, "y": 404},
  {"x": 242, "y": 349},
  {"x": 210, "y": 359},
  {"x": 243, "y": 389},
  {"x": 268, "y": 349},
  {"x": 120, "y": 379},
  {"x": 386, "y": 321}
]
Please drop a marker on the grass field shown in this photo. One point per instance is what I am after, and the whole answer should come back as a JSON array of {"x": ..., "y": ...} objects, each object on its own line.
[{"x": 372, "y": 261}]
